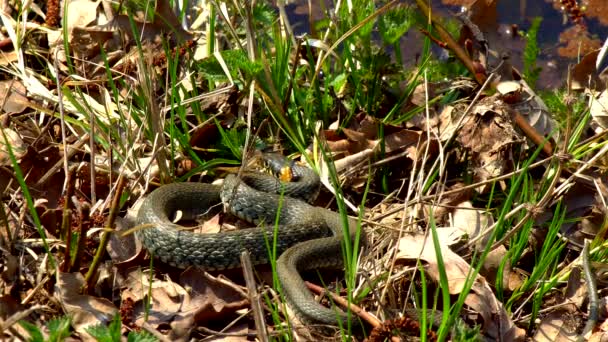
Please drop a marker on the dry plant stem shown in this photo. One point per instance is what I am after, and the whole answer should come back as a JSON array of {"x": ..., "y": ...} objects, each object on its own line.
[
  {"x": 451, "y": 43},
  {"x": 9, "y": 235},
  {"x": 67, "y": 208},
  {"x": 464, "y": 188},
  {"x": 531, "y": 133},
  {"x": 147, "y": 327},
  {"x": 223, "y": 334},
  {"x": 105, "y": 236},
  {"x": 579, "y": 172},
  {"x": 34, "y": 292},
  {"x": 254, "y": 297},
  {"x": 16, "y": 317},
  {"x": 71, "y": 150},
  {"x": 229, "y": 284},
  {"x": 92, "y": 168},
  {"x": 84, "y": 211},
  {"x": 439, "y": 161},
  {"x": 155, "y": 120},
  {"x": 538, "y": 207},
  {"x": 66, "y": 156},
  {"x": 65, "y": 227},
  {"x": 592, "y": 291},
  {"x": 373, "y": 321}
]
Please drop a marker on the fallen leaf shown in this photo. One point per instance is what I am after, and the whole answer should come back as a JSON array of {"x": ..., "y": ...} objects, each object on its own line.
[
  {"x": 207, "y": 298},
  {"x": 497, "y": 324},
  {"x": 489, "y": 134},
  {"x": 18, "y": 147},
  {"x": 14, "y": 95},
  {"x": 85, "y": 310},
  {"x": 473, "y": 222},
  {"x": 584, "y": 75}
]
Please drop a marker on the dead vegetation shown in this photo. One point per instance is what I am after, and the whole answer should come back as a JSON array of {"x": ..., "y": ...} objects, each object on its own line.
[{"x": 478, "y": 195}]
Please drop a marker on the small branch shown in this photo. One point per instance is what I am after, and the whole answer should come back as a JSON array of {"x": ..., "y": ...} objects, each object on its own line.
[
  {"x": 359, "y": 311},
  {"x": 254, "y": 297},
  {"x": 84, "y": 211},
  {"x": 460, "y": 53},
  {"x": 105, "y": 236},
  {"x": 532, "y": 134}
]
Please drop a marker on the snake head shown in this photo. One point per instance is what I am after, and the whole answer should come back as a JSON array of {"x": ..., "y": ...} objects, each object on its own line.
[{"x": 281, "y": 167}]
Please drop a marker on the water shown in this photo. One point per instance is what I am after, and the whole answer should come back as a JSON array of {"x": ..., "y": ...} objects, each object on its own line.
[{"x": 555, "y": 55}]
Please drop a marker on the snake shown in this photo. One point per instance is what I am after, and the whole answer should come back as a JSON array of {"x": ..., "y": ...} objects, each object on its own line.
[{"x": 305, "y": 237}]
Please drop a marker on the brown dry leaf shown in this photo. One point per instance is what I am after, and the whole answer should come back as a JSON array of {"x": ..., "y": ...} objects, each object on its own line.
[
  {"x": 210, "y": 226},
  {"x": 485, "y": 15},
  {"x": 86, "y": 311},
  {"x": 557, "y": 326},
  {"x": 584, "y": 74},
  {"x": 419, "y": 96},
  {"x": 405, "y": 139},
  {"x": 13, "y": 94},
  {"x": 18, "y": 147},
  {"x": 472, "y": 221},
  {"x": 456, "y": 268},
  {"x": 447, "y": 122},
  {"x": 126, "y": 249},
  {"x": 360, "y": 142},
  {"x": 8, "y": 58},
  {"x": 497, "y": 324},
  {"x": 173, "y": 305},
  {"x": 80, "y": 13},
  {"x": 489, "y": 134}
]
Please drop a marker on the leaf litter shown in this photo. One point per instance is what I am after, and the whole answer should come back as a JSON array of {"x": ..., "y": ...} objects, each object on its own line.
[{"x": 477, "y": 133}]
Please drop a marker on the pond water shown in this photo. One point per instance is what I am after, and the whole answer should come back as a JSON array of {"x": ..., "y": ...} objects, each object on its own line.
[{"x": 560, "y": 39}]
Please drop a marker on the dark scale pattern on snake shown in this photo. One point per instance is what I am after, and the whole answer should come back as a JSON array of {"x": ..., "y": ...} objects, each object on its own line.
[{"x": 308, "y": 237}]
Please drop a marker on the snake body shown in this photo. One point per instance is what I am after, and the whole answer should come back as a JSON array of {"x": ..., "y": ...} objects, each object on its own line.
[{"x": 308, "y": 237}]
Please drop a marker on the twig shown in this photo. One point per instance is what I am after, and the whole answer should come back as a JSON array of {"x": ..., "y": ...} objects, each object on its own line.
[
  {"x": 19, "y": 315},
  {"x": 105, "y": 237},
  {"x": 66, "y": 222},
  {"x": 451, "y": 43},
  {"x": 147, "y": 327},
  {"x": 254, "y": 297},
  {"x": 359, "y": 311},
  {"x": 531, "y": 133},
  {"x": 71, "y": 150},
  {"x": 84, "y": 212},
  {"x": 223, "y": 334}
]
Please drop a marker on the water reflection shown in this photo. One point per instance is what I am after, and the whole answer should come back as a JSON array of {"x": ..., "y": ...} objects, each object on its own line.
[{"x": 564, "y": 34}]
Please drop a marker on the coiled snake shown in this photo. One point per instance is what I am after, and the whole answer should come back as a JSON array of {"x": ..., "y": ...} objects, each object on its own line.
[{"x": 308, "y": 237}]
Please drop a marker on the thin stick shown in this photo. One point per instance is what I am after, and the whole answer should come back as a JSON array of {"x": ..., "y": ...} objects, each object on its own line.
[
  {"x": 254, "y": 297},
  {"x": 359, "y": 311}
]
